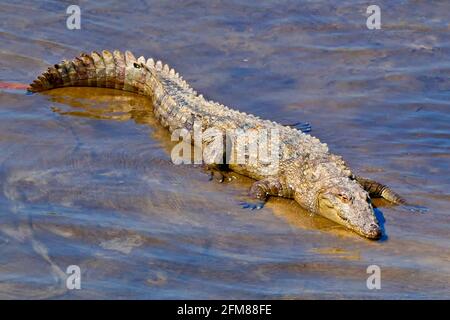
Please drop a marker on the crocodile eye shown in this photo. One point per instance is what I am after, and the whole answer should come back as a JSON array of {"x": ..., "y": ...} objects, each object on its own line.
[
  {"x": 345, "y": 198},
  {"x": 136, "y": 65}
]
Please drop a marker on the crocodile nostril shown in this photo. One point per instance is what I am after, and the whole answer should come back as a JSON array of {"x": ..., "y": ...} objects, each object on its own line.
[{"x": 375, "y": 231}]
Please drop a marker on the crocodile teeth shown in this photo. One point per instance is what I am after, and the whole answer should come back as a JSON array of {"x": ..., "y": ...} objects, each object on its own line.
[
  {"x": 172, "y": 72},
  {"x": 159, "y": 65},
  {"x": 150, "y": 63},
  {"x": 166, "y": 68}
]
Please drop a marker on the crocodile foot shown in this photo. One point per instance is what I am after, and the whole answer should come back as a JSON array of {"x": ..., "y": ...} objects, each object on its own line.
[
  {"x": 217, "y": 176},
  {"x": 218, "y": 173},
  {"x": 414, "y": 208},
  {"x": 252, "y": 205}
]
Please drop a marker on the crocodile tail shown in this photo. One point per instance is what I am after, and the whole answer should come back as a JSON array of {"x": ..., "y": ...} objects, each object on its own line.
[
  {"x": 376, "y": 189},
  {"x": 106, "y": 70}
]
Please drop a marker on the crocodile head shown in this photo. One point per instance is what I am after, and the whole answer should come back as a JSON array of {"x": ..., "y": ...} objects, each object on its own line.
[
  {"x": 323, "y": 184},
  {"x": 349, "y": 204}
]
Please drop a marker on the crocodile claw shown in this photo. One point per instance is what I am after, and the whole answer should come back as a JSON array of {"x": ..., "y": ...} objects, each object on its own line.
[
  {"x": 415, "y": 208},
  {"x": 252, "y": 205},
  {"x": 302, "y": 126},
  {"x": 217, "y": 176}
]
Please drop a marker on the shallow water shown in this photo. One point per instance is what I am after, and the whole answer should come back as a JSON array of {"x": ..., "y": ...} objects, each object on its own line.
[{"x": 86, "y": 177}]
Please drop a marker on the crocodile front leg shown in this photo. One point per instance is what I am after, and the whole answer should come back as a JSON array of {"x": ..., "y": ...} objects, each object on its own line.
[
  {"x": 378, "y": 190},
  {"x": 261, "y": 190}
]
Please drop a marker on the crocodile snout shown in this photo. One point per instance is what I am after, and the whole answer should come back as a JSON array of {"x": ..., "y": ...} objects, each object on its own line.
[{"x": 374, "y": 231}]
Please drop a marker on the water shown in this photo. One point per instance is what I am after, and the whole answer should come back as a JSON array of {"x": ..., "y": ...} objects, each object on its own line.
[{"x": 86, "y": 177}]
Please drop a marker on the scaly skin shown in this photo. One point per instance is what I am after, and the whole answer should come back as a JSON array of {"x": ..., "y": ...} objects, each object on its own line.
[{"x": 318, "y": 180}]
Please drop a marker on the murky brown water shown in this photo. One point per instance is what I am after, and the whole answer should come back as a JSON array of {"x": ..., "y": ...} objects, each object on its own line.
[{"x": 86, "y": 177}]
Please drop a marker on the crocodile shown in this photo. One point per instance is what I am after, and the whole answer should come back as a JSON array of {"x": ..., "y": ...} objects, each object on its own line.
[{"x": 319, "y": 181}]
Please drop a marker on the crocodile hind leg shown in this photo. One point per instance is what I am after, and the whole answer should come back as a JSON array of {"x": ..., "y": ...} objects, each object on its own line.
[
  {"x": 217, "y": 172},
  {"x": 261, "y": 190},
  {"x": 378, "y": 190}
]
